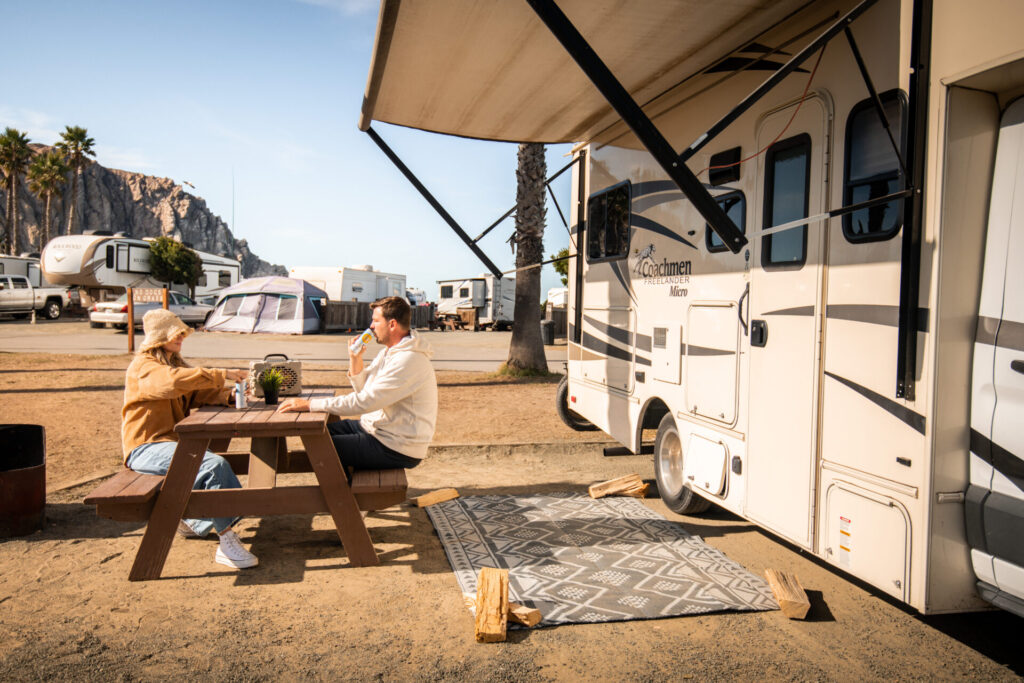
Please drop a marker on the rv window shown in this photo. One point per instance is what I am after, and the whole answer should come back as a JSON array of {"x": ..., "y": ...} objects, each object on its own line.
[
  {"x": 787, "y": 173},
  {"x": 608, "y": 223},
  {"x": 464, "y": 291},
  {"x": 224, "y": 278},
  {"x": 735, "y": 207},
  {"x": 201, "y": 282},
  {"x": 872, "y": 169},
  {"x": 1, "y": 269},
  {"x": 110, "y": 256},
  {"x": 446, "y": 291},
  {"x": 232, "y": 304}
]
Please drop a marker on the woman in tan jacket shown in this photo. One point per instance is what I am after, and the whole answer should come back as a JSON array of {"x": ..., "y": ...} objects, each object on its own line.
[{"x": 160, "y": 389}]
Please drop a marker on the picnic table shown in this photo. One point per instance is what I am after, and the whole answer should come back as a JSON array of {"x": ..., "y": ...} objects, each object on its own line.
[{"x": 267, "y": 430}]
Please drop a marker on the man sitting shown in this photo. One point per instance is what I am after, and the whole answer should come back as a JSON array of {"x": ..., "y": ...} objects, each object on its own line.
[{"x": 396, "y": 397}]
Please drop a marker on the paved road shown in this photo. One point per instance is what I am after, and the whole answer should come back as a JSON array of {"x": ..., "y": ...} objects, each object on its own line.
[{"x": 479, "y": 351}]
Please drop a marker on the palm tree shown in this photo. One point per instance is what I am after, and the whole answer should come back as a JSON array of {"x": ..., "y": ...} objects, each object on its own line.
[
  {"x": 45, "y": 177},
  {"x": 14, "y": 156},
  {"x": 76, "y": 145},
  {"x": 526, "y": 351}
]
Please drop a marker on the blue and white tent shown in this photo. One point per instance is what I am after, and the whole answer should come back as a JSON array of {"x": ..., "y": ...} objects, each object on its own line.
[{"x": 273, "y": 305}]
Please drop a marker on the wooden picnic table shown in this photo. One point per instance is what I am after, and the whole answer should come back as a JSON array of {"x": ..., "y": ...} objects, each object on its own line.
[{"x": 261, "y": 497}]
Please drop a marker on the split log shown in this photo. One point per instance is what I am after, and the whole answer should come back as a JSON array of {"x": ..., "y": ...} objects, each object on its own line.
[
  {"x": 619, "y": 485},
  {"x": 521, "y": 614},
  {"x": 788, "y": 593},
  {"x": 491, "y": 605},
  {"x": 439, "y": 496}
]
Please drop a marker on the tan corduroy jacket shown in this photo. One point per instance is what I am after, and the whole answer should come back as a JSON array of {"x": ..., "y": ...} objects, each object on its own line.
[{"x": 158, "y": 396}]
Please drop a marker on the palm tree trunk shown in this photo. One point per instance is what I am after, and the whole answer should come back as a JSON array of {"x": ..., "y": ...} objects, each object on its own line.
[
  {"x": 46, "y": 222},
  {"x": 14, "y": 217},
  {"x": 526, "y": 351},
  {"x": 74, "y": 202},
  {"x": 9, "y": 217}
]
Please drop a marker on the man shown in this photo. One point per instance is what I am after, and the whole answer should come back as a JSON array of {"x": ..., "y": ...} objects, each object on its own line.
[{"x": 396, "y": 397}]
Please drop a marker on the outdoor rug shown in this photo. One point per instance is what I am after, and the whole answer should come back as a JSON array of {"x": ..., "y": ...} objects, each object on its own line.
[{"x": 580, "y": 560}]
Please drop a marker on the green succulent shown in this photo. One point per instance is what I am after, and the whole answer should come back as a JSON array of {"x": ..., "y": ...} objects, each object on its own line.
[{"x": 271, "y": 380}]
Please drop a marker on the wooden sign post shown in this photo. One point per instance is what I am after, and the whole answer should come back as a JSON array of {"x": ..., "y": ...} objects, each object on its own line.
[{"x": 147, "y": 295}]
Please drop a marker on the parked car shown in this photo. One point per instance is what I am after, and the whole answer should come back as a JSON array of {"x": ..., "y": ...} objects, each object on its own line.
[
  {"x": 116, "y": 312},
  {"x": 19, "y": 298}
]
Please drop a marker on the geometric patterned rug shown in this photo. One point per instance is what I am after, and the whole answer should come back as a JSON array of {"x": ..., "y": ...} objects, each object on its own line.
[{"x": 580, "y": 560}]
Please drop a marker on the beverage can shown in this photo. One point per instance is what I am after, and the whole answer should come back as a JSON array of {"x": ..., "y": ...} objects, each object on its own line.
[
  {"x": 239, "y": 395},
  {"x": 362, "y": 340}
]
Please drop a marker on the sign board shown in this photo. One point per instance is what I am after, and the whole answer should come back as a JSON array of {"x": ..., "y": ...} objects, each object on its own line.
[
  {"x": 142, "y": 295},
  {"x": 148, "y": 295}
]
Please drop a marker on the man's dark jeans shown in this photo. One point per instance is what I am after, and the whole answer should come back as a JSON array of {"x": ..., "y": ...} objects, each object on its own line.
[{"x": 359, "y": 450}]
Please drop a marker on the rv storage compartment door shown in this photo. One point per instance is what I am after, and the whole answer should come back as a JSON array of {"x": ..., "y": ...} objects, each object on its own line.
[
  {"x": 666, "y": 352},
  {"x": 479, "y": 293},
  {"x": 712, "y": 343},
  {"x": 704, "y": 464},
  {"x": 607, "y": 347},
  {"x": 868, "y": 535}
]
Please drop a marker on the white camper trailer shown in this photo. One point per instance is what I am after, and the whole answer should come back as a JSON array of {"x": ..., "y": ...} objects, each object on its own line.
[
  {"x": 358, "y": 283},
  {"x": 493, "y": 299},
  {"x": 27, "y": 266},
  {"x": 814, "y": 293},
  {"x": 102, "y": 262}
]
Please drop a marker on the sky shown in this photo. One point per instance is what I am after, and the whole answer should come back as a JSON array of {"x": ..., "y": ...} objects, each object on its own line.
[{"x": 255, "y": 103}]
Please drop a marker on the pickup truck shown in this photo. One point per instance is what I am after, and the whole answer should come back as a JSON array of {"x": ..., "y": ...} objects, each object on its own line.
[{"x": 19, "y": 298}]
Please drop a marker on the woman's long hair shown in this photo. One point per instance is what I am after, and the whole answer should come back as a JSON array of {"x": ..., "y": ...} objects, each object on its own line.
[{"x": 164, "y": 357}]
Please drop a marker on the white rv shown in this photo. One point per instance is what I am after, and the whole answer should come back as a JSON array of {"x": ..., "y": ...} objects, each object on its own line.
[
  {"x": 358, "y": 283},
  {"x": 493, "y": 299},
  {"x": 103, "y": 263},
  {"x": 24, "y": 265},
  {"x": 799, "y": 255}
]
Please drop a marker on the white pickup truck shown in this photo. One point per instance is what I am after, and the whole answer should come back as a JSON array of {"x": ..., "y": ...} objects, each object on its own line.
[{"x": 19, "y": 298}]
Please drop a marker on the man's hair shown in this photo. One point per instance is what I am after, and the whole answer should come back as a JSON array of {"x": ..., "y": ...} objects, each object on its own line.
[{"x": 394, "y": 308}]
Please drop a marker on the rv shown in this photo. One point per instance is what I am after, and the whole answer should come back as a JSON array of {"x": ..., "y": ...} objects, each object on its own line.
[
  {"x": 493, "y": 300},
  {"x": 358, "y": 283},
  {"x": 104, "y": 265},
  {"x": 24, "y": 265},
  {"x": 798, "y": 256}
]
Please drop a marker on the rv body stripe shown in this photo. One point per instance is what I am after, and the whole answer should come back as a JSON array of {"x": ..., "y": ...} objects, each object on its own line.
[
  {"x": 605, "y": 349},
  {"x": 692, "y": 350},
  {"x": 644, "y": 223},
  {"x": 996, "y": 523},
  {"x": 898, "y": 411},
  {"x": 876, "y": 314},
  {"x": 654, "y": 186},
  {"x": 1010, "y": 465},
  {"x": 617, "y": 269},
  {"x": 797, "y": 310},
  {"x": 1007, "y": 334},
  {"x": 643, "y": 341}
]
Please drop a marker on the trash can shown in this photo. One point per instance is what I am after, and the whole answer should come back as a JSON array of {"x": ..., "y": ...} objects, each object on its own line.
[
  {"x": 547, "y": 332},
  {"x": 22, "y": 479}
]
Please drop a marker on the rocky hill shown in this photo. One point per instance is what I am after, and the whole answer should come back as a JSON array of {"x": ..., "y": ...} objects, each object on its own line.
[{"x": 140, "y": 206}]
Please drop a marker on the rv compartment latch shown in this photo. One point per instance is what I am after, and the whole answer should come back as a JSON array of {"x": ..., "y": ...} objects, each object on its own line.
[{"x": 758, "y": 332}]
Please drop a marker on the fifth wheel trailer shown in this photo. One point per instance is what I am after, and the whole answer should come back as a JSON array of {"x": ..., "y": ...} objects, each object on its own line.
[{"x": 818, "y": 302}]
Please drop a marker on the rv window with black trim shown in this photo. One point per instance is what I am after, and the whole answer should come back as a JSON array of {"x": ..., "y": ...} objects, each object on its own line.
[
  {"x": 608, "y": 223},
  {"x": 786, "y": 191},
  {"x": 872, "y": 169},
  {"x": 464, "y": 291},
  {"x": 224, "y": 278},
  {"x": 446, "y": 291},
  {"x": 201, "y": 282},
  {"x": 734, "y": 204}
]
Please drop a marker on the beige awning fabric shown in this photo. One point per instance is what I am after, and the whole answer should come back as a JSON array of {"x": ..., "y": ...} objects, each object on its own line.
[{"x": 490, "y": 69}]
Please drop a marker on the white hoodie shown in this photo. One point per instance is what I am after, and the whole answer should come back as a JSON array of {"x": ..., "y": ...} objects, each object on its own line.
[{"x": 396, "y": 397}]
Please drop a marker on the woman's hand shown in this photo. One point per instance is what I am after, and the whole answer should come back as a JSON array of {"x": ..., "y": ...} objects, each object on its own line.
[{"x": 237, "y": 375}]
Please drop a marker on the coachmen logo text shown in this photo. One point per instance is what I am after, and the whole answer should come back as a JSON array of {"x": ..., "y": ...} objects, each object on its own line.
[{"x": 662, "y": 272}]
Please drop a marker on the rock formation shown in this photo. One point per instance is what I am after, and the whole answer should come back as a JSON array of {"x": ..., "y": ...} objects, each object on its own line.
[{"x": 140, "y": 206}]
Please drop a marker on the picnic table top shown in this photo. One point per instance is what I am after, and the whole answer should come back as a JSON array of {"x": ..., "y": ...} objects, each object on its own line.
[{"x": 254, "y": 420}]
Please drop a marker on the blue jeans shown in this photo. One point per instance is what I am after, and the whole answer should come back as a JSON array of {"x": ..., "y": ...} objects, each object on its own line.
[
  {"x": 362, "y": 451},
  {"x": 214, "y": 473}
]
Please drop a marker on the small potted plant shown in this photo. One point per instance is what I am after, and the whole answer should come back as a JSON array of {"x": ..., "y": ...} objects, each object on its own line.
[{"x": 271, "y": 381}]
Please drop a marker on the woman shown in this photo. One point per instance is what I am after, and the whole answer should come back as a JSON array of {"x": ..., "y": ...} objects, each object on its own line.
[{"x": 160, "y": 389}]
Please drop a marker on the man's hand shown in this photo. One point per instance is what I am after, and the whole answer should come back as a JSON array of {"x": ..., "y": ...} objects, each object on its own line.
[
  {"x": 237, "y": 375},
  {"x": 294, "y": 405},
  {"x": 355, "y": 360}
]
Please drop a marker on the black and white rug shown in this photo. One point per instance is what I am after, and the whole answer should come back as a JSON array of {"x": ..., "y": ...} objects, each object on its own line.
[{"x": 582, "y": 560}]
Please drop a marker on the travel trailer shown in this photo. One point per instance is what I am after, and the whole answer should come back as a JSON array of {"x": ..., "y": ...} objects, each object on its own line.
[
  {"x": 494, "y": 299},
  {"x": 358, "y": 283},
  {"x": 24, "y": 265},
  {"x": 104, "y": 265},
  {"x": 798, "y": 255}
]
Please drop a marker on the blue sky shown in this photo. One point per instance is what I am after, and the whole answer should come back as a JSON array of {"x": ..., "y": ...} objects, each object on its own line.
[{"x": 267, "y": 92}]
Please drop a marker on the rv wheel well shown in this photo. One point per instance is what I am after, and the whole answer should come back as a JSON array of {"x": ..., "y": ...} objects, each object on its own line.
[{"x": 652, "y": 414}]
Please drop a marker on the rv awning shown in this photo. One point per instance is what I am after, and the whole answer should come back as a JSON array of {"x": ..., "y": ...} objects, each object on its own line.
[{"x": 490, "y": 69}]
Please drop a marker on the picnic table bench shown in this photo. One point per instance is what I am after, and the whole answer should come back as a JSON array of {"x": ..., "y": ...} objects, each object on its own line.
[{"x": 130, "y": 496}]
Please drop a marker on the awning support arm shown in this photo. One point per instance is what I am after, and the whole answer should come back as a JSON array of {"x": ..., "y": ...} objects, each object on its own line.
[
  {"x": 547, "y": 183},
  {"x": 874, "y": 97},
  {"x": 411, "y": 177},
  {"x": 776, "y": 78},
  {"x": 644, "y": 129}
]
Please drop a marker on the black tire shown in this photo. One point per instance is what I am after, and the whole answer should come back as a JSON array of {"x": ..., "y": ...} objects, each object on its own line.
[
  {"x": 668, "y": 468},
  {"x": 97, "y": 326},
  {"x": 52, "y": 309},
  {"x": 19, "y": 316},
  {"x": 571, "y": 419},
  {"x": 120, "y": 326}
]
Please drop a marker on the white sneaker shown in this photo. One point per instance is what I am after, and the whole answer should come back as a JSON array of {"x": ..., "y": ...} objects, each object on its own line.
[
  {"x": 231, "y": 552},
  {"x": 185, "y": 530}
]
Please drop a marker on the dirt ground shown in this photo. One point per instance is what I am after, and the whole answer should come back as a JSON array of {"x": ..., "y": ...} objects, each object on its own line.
[{"x": 67, "y": 611}]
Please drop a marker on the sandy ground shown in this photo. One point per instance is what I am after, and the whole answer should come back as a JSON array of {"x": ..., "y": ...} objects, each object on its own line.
[{"x": 67, "y": 611}]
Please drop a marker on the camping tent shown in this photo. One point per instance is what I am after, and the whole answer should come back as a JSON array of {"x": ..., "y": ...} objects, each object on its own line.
[{"x": 281, "y": 305}]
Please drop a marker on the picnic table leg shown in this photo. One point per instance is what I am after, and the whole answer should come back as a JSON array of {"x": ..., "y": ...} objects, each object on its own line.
[
  {"x": 340, "y": 501},
  {"x": 263, "y": 462},
  {"x": 168, "y": 510}
]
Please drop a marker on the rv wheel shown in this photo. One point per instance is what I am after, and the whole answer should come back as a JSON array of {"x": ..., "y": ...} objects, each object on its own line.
[
  {"x": 668, "y": 467},
  {"x": 571, "y": 419}
]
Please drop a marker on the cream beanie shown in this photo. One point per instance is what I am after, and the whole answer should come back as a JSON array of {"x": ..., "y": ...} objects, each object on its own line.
[{"x": 161, "y": 326}]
